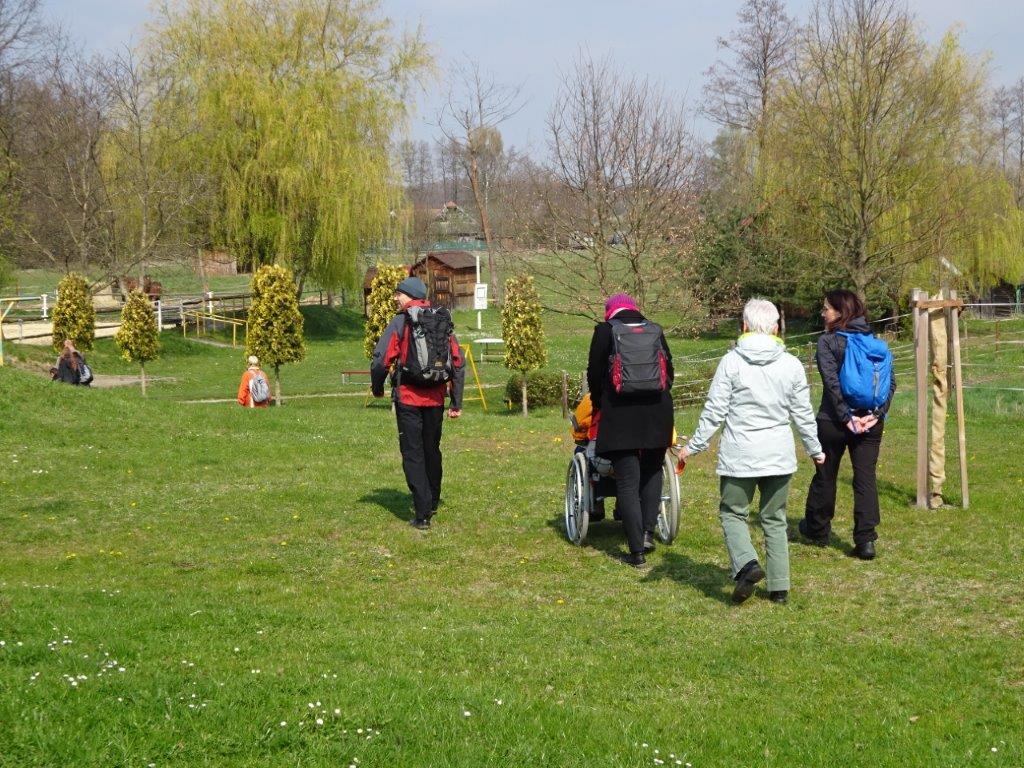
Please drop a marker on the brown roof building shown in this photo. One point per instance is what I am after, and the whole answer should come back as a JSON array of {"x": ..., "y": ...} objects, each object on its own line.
[{"x": 450, "y": 277}]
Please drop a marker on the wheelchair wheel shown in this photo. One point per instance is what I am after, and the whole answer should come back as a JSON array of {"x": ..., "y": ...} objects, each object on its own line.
[
  {"x": 577, "y": 499},
  {"x": 668, "y": 515}
]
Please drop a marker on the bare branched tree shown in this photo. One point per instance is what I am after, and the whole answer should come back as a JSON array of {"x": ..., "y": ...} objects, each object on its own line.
[
  {"x": 65, "y": 212},
  {"x": 1007, "y": 113},
  {"x": 21, "y": 33},
  {"x": 148, "y": 194},
  {"x": 615, "y": 208},
  {"x": 740, "y": 88},
  {"x": 476, "y": 107}
]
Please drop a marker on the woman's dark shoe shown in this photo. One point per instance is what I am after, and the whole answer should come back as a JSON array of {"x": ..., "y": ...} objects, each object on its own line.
[
  {"x": 648, "y": 542},
  {"x": 821, "y": 541},
  {"x": 865, "y": 550},
  {"x": 746, "y": 579},
  {"x": 635, "y": 559},
  {"x": 780, "y": 596}
]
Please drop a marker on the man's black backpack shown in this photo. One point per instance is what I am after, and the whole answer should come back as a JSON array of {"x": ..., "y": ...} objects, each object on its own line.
[{"x": 426, "y": 357}]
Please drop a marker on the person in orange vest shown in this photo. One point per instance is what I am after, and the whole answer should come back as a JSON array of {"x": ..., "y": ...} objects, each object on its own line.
[{"x": 254, "y": 389}]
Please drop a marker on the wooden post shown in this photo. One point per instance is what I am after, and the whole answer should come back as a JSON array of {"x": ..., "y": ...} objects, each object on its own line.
[
  {"x": 953, "y": 334},
  {"x": 921, "y": 373},
  {"x": 565, "y": 395}
]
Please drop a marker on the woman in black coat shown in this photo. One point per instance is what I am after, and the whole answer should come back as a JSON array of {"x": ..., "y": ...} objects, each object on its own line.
[
  {"x": 841, "y": 428},
  {"x": 634, "y": 430}
]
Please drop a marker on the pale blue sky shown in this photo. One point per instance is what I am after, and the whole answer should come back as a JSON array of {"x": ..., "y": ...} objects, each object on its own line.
[{"x": 528, "y": 41}]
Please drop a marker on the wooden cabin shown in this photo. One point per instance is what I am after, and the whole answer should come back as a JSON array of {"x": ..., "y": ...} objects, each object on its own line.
[
  {"x": 450, "y": 277},
  {"x": 367, "y": 285}
]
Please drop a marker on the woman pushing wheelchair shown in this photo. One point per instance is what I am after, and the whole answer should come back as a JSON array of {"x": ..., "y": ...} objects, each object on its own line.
[{"x": 629, "y": 374}]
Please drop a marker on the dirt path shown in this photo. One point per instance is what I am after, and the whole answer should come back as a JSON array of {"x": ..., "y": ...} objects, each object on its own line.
[{"x": 100, "y": 380}]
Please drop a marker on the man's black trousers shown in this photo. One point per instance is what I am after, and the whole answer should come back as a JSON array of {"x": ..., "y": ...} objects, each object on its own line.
[
  {"x": 638, "y": 483},
  {"x": 835, "y": 439},
  {"x": 419, "y": 438}
]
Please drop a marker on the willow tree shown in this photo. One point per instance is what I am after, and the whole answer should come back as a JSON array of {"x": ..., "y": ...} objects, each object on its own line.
[
  {"x": 294, "y": 103},
  {"x": 877, "y": 149}
]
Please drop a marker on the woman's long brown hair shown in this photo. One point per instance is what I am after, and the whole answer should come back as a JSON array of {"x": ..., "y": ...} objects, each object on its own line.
[
  {"x": 68, "y": 353},
  {"x": 848, "y": 305}
]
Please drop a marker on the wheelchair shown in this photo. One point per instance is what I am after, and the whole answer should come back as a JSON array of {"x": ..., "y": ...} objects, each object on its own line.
[{"x": 587, "y": 484}]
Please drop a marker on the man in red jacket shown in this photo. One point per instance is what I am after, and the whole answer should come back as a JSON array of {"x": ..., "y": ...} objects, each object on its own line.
[{"x": 419, "y": 407}]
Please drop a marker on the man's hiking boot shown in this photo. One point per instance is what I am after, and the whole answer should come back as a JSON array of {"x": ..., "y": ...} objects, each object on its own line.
[
  {"x": 648, "y": 542},
  {"x": 746, "y": 579},
  {"x": 820, "y": 541},
  {"x": 865, "y": 550},
  {"x": 779, "y": 596}
]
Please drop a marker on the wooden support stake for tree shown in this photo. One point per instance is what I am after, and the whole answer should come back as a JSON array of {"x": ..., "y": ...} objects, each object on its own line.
[
  {"x": 953, "y": 335},
  {"x": 917, "y": 297},
  {"x": 565, "y": 395}
]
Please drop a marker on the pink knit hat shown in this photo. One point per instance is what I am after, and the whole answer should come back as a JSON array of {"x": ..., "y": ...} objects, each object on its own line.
[{"x": 619, "y": 301}]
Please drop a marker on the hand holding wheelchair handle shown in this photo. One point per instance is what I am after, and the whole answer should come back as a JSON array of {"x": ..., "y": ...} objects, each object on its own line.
[{"x": 682, "y": 452}]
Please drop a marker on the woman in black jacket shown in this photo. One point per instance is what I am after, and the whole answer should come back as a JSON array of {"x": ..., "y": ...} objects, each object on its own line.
[
  {"x": 839, "y": 429},
  {"x": 634, "y": 430}
]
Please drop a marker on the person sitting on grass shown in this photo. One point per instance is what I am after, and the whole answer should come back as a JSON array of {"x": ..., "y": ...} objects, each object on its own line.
[
  {"x": 71, "y": 367},
  {"x": 757, "y": 390},
  {"x": 254, "y": 389}
]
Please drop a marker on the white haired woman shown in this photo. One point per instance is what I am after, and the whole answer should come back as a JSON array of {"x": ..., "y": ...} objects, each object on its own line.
[{"x": 757, "y": 390}]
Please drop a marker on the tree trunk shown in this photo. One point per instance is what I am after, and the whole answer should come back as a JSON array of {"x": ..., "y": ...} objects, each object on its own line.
[
  {"x": 526, "y": 410},
  {"x": 202, "y": 270},
  {"x": 142, "y": 377},
  {"x": 277, "y": 384},
  {"x": 485, "y": 222}
]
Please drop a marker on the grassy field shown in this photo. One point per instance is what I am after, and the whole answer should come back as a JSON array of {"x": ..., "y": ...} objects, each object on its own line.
[{"x": 195, "y": 584}]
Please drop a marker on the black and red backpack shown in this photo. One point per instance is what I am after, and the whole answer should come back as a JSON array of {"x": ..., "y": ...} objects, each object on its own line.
[
  {"x": 638, "y": 364},
  {"x": 425, "y": 356}
]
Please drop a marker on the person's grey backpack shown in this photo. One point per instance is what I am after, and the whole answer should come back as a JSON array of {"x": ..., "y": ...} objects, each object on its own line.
[
  {"x": 84, "y": 372},
  {"x": 258, "y": 389}
]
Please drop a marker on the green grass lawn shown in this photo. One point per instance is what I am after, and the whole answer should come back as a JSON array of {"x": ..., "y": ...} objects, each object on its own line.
[{"x": 199, "y": 584}]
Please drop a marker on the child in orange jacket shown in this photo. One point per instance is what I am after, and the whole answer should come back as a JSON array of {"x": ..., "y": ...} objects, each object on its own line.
[{"x": 245, "y": 388}]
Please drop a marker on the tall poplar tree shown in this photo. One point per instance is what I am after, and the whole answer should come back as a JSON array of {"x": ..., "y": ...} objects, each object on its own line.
[
  {"x": 521, "y": 327},
  {"x": 74, "y": 316},
  {"x": 138, "y": 338},
  {"x": 380, "y": 304},
  {"x": 275, "y": 324}
]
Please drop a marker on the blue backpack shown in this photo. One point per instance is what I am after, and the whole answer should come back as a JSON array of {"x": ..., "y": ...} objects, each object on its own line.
[{"x": 866, "y": 375}]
